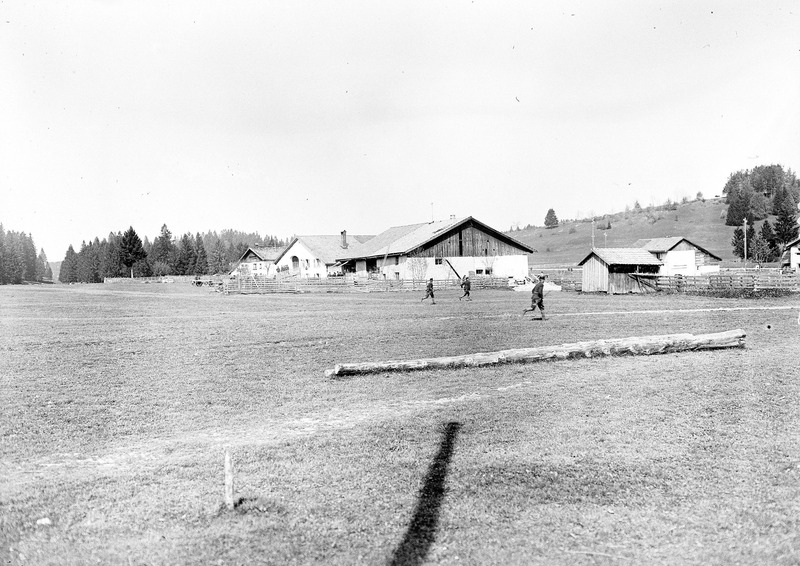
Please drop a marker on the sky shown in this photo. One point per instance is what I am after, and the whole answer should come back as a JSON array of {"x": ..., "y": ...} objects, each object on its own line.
[{"x": 292, "y": 118}]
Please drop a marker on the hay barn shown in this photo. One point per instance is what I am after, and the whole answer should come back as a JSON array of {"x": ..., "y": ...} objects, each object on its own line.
[
  {"x": 438, "y": 249},
  {"x": 619, "y": 270}
]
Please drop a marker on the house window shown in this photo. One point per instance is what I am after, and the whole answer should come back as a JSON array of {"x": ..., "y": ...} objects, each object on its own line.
[
  {"x": 488, "y": 271},
  {"x": 479, "y": 272},
  {"x": 397, "y": 260},
  {"x": 437, "y": 261}
]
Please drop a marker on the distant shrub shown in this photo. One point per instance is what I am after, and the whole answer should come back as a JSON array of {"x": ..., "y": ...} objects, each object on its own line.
[{"x": 572, "y": 229}]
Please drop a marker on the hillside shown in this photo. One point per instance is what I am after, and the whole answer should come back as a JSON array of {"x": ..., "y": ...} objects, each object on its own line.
[{"x": 701, "y": 222}]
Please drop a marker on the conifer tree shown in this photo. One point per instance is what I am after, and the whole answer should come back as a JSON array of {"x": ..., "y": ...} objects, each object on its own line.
[
  {"x": 550, "y": 219},
  {"x": 217, "y": 261},
  {"x": 186, "y": 256},
  {"x": 3, "y": 257},
  {"x": 786, "y": 225},
  {"x": 737, "y": 242},
  {"x": 42, "y": 267},
  {"x": 131, "y": 249},
  {"x": 768, "y": 235},
  {"x": 69, "y": 267},
  {"x": 201, "y": 259},
  {"x": 110, "y": 258}
]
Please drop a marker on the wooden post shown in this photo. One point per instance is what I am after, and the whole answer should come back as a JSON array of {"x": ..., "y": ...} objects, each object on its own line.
[
  {"x": 228, "y": 481},
  {"x": 635, "y": 346}
]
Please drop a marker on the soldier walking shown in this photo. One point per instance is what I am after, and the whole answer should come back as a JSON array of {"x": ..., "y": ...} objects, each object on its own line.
[
  {"x": 465, "y": 284},
  {"x": 537, "y": 296},
  {"x": 429, "y": 291}
]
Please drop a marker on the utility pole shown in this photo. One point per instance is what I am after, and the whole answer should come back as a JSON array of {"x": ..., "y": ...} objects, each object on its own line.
[
  {"x": 605, "y": 239},
  {"x": 592, "y": 233},
  {"x": 745, "y": 243}
]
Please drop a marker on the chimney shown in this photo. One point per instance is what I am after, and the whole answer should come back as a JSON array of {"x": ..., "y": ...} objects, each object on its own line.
[{"x": 344, "y": 239}]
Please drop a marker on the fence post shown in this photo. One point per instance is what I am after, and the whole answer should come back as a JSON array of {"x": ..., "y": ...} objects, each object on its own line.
[{"x": 228, "y": 481}]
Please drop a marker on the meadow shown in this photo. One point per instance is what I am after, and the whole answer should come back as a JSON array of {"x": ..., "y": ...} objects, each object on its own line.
[{"x": 118, "y": 403}]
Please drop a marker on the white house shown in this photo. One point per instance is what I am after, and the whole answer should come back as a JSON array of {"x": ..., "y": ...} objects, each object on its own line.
[
  {"x": 679, "y": 256},
  {"x": 257, "y": 262},
  {"x": 315, "y": 256},
  {"x": 792, "y": 255},
  {"x": 441, "y": 249}
]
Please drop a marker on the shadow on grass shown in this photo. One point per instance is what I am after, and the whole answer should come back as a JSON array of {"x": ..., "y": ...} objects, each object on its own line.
[{"x": 421, "y": 532}]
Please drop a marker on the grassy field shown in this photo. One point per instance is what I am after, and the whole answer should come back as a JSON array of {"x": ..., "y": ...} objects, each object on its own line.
[{"x": 118, "y": 404}]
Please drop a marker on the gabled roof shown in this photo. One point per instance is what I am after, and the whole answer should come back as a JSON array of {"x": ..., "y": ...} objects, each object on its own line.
[
  {"x": 326, "y": 248},
  {"x": 660, "y": 245},
  {"x": 401, "y": 240},
  {"x": 263, "y": 254},
  {"x": 792, "y": 243},
  {"x": 623, "y": 256}
]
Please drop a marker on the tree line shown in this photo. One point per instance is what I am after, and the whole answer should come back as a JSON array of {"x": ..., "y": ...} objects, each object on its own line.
[
  {"x": 127, "y": 255},
  {"x": 756, "y": 193},
  {"x": 19, "y": 261},
  {"x": 752, "y": 195}
]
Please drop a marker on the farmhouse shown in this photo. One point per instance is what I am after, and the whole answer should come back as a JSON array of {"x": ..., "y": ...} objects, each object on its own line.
[
  {"x": 619, "y": 270},
  {"x": 257, "y": 261},
  {"x": 792, "y": 255},
  {"x": 440, "y": 249},
  {"x": 315, "y": 256},
  {"x": 680, "y": 256}
]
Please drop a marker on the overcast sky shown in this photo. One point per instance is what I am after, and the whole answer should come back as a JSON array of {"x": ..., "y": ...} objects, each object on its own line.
[{"x": 313, "y": 117}]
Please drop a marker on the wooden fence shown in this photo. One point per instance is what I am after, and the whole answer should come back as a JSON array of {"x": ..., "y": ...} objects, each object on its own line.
[
  {"x": 727, "y": 281},
  {"x": 210, "y": 280},
  {"x": 255, "y": 284}
]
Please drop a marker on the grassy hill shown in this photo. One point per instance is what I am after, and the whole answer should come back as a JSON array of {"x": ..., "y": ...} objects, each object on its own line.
[{"x": 702, "y": 222}]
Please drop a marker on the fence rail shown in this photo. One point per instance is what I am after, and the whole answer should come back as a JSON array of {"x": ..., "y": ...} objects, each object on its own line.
[
  {"x": 255, "y": 284},
  {"x": 729, "y": 281}
]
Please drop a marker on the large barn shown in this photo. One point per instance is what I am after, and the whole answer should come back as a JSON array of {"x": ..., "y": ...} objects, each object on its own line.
[
  {"x": 618, "y": 270},
  {"x": 680, "y": 256},
  {"x": 438, "y": 249}
]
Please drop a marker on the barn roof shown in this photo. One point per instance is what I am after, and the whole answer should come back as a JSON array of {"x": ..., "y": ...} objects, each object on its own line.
[
  {"x": 264, "y": 254},
  {"x": 623, "y": 256},
  {"x": 660, "y": 245},
  {"x": 326, "y": 248},
  {"x": 400, "y": 240},
  {"x": 793, "y": 243}
]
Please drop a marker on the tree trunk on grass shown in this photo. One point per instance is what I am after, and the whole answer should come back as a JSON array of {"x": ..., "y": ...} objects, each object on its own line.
[{"x": 634, "y": 346}]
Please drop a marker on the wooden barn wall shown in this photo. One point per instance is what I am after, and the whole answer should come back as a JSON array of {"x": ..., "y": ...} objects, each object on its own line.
[
  {"x": 595, "y": 275},
  {"x": 474, "y": 243},
  {"x": 622, "y": 283}
]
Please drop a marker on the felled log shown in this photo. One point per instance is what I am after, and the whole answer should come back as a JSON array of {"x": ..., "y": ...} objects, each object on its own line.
[{"x": 634, "y": 346}]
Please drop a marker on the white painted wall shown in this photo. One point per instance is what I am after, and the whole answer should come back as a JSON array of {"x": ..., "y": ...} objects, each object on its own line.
[
  {"x": 794, "y": 257},
  {"x": 679, "y": 263},
  {"x": 501, "y": 266},
  {"x": 261, "y": 268},
  {"x": 309, "y": 265}
]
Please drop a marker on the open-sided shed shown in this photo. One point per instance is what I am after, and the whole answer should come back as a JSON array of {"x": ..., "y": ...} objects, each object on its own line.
[{"x": 618, "y": 270}]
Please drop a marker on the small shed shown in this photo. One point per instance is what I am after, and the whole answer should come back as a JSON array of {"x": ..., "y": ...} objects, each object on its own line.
[{"x": 619, "y": 270}]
